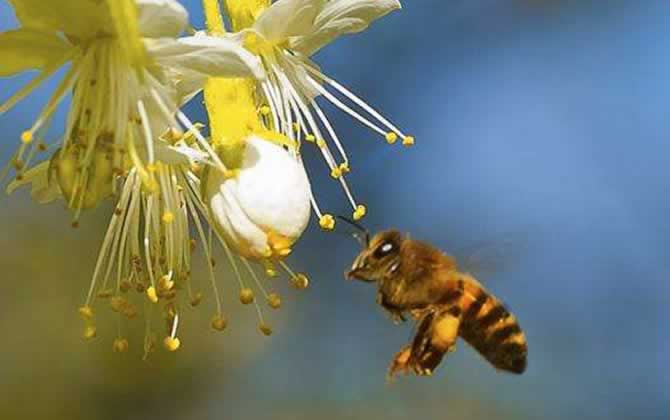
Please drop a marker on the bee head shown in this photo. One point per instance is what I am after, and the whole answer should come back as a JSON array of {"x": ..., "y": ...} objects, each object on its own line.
[{"x": 378, "y": 258}]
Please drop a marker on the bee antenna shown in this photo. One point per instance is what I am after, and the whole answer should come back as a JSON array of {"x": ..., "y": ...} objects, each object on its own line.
[{"x": 358, "y": 226}]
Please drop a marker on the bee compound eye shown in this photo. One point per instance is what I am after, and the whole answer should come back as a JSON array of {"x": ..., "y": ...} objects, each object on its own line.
[{"x": 384, "y": 249}]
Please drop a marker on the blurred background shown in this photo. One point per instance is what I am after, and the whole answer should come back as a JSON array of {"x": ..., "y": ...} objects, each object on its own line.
[{"x": 544, "y": 120}]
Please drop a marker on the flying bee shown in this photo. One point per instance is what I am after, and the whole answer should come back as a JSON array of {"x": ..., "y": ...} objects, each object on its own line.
[{"x": 415, "y": 279}]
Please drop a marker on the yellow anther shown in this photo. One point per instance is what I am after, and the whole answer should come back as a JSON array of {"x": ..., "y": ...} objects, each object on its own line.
[
  {"x": 246, "y": 296},
  {"x": 173, "y": 135},
  {"x": 118, "y": 304},
  {"x": 27, "y": 137},
  {"x": 152, "y": 167},
  {"x": 195, "y": 301},
  {"x": 274, "y": 301},
  {"x": 408, "y": 141},
  {"x": 171, "y": 344},
  {"x": 344, "y": 168},
  {"x": 124, "y": 286},
  {"x": 151, "y": 294},
  {"x": 265, "y": 329},
  {"x": 120, "y": 345},
  {"x": 321, "y": 143},
  {"x": 360, "y": 211},
  {"x": 300, "y": 281},
  {"x": 296, "y": 127},
  {"x": 310, "y": 138},
  {"x": 89, "y": 332},
  {"x": 336, "y": 172},
  {"x": 271, "y": 272},
  {"x": 86, "y": 312},
  {"x": 219, "y": 323},
  {"x": 327, "y": 222},
  {"x": 265, "y": 110},
  {"x": 165, "y": 283},
  {"x": 391, "y": 137},
  {"x": 284, "y": 252},
  {"x": 168, "y": 217}
]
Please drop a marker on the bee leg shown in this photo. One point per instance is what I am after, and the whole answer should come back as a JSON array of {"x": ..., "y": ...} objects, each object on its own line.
[
  {"x": 399, "y": 363},
  {"x": 421, "y": 344},
  {"x": 405, "y": 359},
  {"x": 434, "y": 341}
]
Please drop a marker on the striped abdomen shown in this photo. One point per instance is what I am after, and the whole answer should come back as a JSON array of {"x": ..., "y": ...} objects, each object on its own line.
[{"x": 488, "y": 327}]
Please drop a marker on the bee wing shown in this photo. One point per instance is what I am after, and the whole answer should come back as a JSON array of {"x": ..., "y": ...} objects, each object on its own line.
[{"x": 496, "y": 255}]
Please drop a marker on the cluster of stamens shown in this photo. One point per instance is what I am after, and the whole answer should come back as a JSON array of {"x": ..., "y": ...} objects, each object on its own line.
[{"x": 289, "y": 110}]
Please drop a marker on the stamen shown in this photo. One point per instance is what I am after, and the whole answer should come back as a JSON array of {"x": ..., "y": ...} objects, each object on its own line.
[
  {"x": 61, "y": 91},
  {"x": 274, "y": 112},
  {"x": 148, "y": 136},
  {"x": 147, "y": 250},
  {"x": 190, "y": 199},
  {"x": 89, "y": 332},
  {"x": 246, "y": 296},
  {"x": 299, "y": 280},
  {"x": 30, "y": 86},
  {"x": 253, "y": 275},
  {"x": 358, "y": 101},
  {"x": 106, "y": 242},
  {"x": 329, "y": 128},
  {"x": 120, "y": 345},
  {"x": 219, "y": 323},
  {"x": 201, "y": 140},
  {"x": 345, "y": 108},
  {"x": 27, "y": 137},
  {"x": 359, "y": 213},
  {"x": 327, "y": 222},
  {"x": 171, "y": 342}
]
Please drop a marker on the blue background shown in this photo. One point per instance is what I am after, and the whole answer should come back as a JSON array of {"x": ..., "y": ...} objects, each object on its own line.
[{"x": 544, "y": 120}]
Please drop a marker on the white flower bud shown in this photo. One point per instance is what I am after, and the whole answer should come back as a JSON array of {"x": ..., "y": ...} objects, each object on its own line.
[{"x": 265, "y": 208}]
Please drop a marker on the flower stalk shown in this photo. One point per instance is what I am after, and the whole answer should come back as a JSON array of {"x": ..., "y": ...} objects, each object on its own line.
[{"x": 231, "y": 102}]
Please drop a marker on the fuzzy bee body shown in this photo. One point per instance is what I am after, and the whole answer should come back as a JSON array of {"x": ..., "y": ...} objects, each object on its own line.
[{"x": 418, "y": 280}]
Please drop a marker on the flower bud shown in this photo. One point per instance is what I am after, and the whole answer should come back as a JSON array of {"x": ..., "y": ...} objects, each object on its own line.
[{"x": 264, "y": 207}]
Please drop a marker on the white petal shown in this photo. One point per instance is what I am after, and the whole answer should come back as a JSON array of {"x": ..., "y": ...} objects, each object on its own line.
[
  {"x": 200, "y": 57},
  {"x": 238, "y": 229},
  {"x": 287, "y": 18},
  {"x": 161, "y": 18},
  {"x": 243, "y": 226},
  {"x": 80, "y": 19},
  {"x": 43, "y": 189},
  {"x": 340, "y": 17},
  {"x": 25, "y": 49},
  {"x": 274, "y": 189}
]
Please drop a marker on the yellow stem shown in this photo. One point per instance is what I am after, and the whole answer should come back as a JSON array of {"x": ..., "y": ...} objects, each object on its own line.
[
  {"x": 213, "y": 17},
  {"x": 231, "y": 103},
  {"x": 243, "y": 13}
]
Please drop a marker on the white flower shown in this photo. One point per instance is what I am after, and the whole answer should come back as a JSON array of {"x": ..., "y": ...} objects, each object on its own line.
[
  {"x": 263, "y": 209},
  {"x": 128, "y": 75},
  {"x": 284, "y": 36}
]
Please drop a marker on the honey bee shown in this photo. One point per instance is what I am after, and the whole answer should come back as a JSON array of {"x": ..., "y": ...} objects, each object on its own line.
[{"x": 416, "y": 279}]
